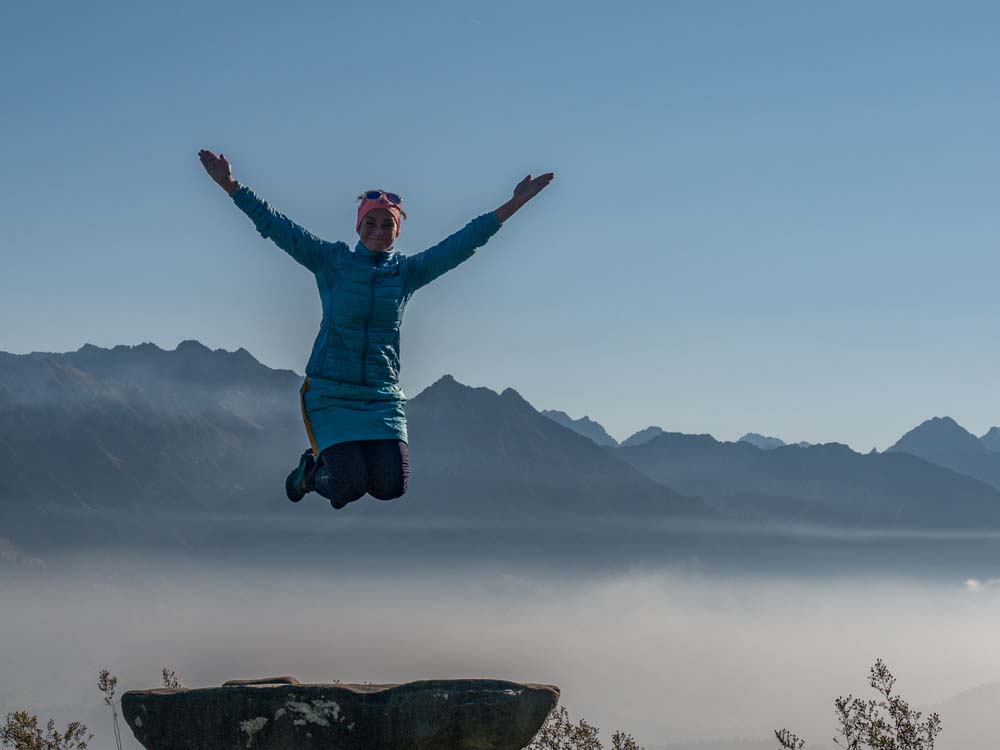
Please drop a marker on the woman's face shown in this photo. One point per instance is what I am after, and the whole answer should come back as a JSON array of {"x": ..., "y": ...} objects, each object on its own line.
[{"x": 378, "y": 230}]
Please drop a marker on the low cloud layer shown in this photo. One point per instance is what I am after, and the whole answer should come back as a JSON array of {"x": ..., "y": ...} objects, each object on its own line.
[
  {"x": 664, "y": 655},
  {"x": 976, "y": 586}
]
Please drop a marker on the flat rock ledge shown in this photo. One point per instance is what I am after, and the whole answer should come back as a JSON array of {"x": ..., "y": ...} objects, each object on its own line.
[{"x": 279, "y": 713}]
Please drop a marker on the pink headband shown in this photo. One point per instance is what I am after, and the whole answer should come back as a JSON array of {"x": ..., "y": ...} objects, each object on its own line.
[{"x": 370, "y": 204}]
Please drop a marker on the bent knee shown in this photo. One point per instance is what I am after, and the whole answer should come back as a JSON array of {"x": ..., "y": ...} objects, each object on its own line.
[
  {"x": 344, "y": 496},
  {"x": 339, "y": 491},
  {"x": 388, "y": 491}
]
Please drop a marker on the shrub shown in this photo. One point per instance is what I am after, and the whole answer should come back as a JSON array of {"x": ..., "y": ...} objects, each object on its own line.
[
  {"x": 559, "y": 733},
  {"x": 885, "y": 723},
  {"x": 22, "y": 732},
  {"x": 170, "y": 679}
]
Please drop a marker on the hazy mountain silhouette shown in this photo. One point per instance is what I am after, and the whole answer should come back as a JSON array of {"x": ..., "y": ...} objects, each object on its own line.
[
  {"x": 766, "y": 443},
  {"x": 583, "y": 426},
  {"x": 943, "y": 441},
  {"x": 642, "y": 436},
  {"x": 819, "y": 484},
  {"x": 991, "y": 440},
  {"x": 135, "y": 428},
  {"x": 191, "y": 363},
  {"x": 474, "y": 443},
  {"x": 965, "y": 713},
  {"x": 763, "y": 442}
]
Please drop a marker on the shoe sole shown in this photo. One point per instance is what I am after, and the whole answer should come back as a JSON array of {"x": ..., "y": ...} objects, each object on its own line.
[
  {"x": 295, "y": 480},
  {"x": 292, "y": 490}
]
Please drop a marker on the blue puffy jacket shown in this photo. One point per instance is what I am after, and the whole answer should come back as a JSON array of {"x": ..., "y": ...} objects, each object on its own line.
[{"x": 363, "y": 292}]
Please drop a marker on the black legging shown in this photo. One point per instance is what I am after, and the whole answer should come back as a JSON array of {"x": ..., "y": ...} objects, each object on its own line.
[{"x": 346, "y": 471}]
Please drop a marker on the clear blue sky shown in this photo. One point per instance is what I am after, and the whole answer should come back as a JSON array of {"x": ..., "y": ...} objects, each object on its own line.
[{"x": 774, "y": 216}]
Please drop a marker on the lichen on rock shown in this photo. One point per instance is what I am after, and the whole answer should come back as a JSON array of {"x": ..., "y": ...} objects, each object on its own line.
[
  {"x": 251, "y": 727},
  {"x": 316, "y": 712}
]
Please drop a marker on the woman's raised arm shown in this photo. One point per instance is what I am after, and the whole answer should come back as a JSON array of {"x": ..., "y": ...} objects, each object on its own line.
[
  {"x": 524, "y": 191},
  {"x": 302, "y": 245},
  {"x": 433, "y": 262}
]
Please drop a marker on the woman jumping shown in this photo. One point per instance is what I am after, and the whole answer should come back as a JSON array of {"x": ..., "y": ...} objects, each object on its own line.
[{"x": 351, "y": 401}]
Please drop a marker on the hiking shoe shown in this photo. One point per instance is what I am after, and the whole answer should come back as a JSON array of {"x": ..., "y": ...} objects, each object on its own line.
[{"x": 299, "y": 482}]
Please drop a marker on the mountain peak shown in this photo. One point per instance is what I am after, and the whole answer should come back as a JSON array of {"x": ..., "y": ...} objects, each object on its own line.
[
  {"x": 446, "y": 384},
  {"x": 513, "y": 396},
  {"x": 943, "y": 441},
  {"x": 941, "y": 423},
  {"x": 585, "y": 426},
  {"x": 939, "y": 434},
  {"x": 642, "y": 436},
  {"x": 764, "y": 442},
  {"x": 192, "y": 345},
  {"x": 991, "y": 440},
  {"x": 447, "y": 389}
]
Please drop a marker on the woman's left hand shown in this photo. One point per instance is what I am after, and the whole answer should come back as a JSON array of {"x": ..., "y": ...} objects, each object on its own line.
[
  {"x": 528, "y": 188},
  {"x": 524, "y": 191}
]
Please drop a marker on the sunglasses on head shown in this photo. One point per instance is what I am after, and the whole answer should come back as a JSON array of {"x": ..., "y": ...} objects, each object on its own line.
[{"x": 376, "y": 194}]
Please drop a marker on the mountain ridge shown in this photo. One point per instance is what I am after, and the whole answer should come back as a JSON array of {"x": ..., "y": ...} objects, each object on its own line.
[
  {"x": 200, "y": 429},
  {"x": 942, "y": 441},
  {"x": 196, "y": 429},
  {"x": 642, "y": 436},
  {"x": 585, "y": 426},
  {"x": 820, "y": 484}
]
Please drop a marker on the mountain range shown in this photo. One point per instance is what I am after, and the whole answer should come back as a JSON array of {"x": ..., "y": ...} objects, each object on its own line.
[
  {"x": 819, "y": 484},
  {"x": 595, "y": 430},
  {"x": 137, "y": 427},
  {"x": 134, "y": 428},
  {"x": 472, "y": 443}
]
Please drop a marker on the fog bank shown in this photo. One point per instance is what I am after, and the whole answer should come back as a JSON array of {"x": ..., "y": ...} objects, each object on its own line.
[{"x": 665, "y": 655}]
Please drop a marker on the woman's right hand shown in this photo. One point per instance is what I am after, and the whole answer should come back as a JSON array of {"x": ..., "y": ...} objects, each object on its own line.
[{"x": 219, "y": 170}]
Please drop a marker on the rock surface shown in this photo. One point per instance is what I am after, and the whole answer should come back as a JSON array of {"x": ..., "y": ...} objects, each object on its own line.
[{"x": 282, "y": 714}]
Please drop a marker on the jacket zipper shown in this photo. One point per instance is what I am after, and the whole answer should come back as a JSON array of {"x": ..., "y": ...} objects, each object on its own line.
[{"x": 371, "y": 311}]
